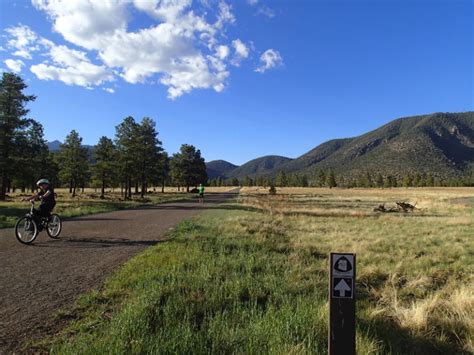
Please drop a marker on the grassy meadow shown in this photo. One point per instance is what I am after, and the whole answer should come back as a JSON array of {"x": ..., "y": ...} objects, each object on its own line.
[{"x": 251, "y": 277}]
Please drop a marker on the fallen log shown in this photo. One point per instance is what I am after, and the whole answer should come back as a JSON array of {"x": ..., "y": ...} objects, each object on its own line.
[{"x": 406, "y": 207}]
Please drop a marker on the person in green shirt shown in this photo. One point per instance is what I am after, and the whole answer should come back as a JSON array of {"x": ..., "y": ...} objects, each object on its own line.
[{"x": 201, "y": 193}]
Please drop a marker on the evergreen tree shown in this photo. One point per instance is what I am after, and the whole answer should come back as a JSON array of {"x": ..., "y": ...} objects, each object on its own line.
[
  {"x": 235, "y": 182},
  {"x": 248, "y": 181},
  {"x": 379, "y": 180},
  {"x": 105, "y": 155},
  {"x": 73, "y": 162},
  {"x": 127, "y": 141},
  {"x": 281, "y": 179},
  {"x": 12, "y": 121},
  {"x": 321, "y": 178},
  {"x": 188, "y": 167},
  {"x": 31, "y": 158},
  {"x": 331, "y": 180},
  {"x": 149, "y": 151},
  {"x": 304, "y": 181},
  {"x": 407, "y": 181}
]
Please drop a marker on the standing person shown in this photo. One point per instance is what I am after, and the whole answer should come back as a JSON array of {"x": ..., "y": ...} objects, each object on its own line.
[{"x": 201, "y": 193}]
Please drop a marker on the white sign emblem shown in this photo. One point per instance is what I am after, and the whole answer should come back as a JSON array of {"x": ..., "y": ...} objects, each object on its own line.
[
  {"x": 343, "y": 265},
  {"x": 342, "y": 276}
]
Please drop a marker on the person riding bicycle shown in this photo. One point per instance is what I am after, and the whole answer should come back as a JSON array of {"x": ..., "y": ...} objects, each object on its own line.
[
  {"x": 201, "y": 193},
  {"x": 47, "y": 197}
]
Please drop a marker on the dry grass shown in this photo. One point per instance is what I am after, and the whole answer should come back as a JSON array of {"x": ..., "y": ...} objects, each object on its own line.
[
  {"x": 416, "y": 269},
  {"x": 252, "y": 278}
]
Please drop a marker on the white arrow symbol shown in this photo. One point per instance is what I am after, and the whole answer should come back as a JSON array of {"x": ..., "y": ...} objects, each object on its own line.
[{"x": 342, "y": 287}]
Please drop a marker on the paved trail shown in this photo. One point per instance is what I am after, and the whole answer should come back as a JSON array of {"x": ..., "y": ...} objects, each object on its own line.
[{"x": 37, "y": 280}]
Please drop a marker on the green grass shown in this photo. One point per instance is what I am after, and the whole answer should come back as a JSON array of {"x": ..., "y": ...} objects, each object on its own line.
[
  {"x": 237, "y": 281},
  {"x": 82, "y": 205}
]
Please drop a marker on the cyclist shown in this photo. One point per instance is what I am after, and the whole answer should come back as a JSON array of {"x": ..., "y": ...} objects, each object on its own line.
[
  {"x": 47, "y": 197},
  {"x": 201, "y": 193}
]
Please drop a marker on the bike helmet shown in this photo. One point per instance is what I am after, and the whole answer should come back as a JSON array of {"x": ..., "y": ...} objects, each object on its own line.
[{"x": 42, "y": 181}]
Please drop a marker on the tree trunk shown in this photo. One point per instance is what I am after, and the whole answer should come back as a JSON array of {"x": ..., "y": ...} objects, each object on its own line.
[
  {"x": 74, "y": 190},
  {"x": 187, "y": 188},
  {"x": 163, "y": 187},
  {"x": 130, "y": 188},
  {"x": 102, "y": 191},
  {"x": 143, "y": 186}
]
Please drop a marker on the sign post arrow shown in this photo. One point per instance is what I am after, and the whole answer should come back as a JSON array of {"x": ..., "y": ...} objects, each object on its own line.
[
  {"x": 342, "y": 302},
  {"x": 342, "y": 287}
]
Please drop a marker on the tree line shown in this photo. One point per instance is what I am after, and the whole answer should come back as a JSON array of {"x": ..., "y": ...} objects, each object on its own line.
[
  {"x": 328, "y": 178},
  {"x": 133, "y": 161}
]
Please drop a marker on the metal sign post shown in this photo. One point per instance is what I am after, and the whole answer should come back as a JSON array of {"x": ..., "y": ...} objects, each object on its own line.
[{"x": 342, "y": 277}]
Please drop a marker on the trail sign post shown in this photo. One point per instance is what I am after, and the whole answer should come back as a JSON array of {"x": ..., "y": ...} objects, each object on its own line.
[{"x": 342, "y": 276}]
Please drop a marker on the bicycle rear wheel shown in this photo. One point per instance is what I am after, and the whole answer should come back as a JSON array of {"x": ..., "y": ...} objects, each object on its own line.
[
  {"x": 26, "y": 230},
  {"x": 54, "y": 226}
]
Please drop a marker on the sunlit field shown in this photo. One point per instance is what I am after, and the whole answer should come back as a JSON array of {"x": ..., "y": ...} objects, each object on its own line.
[{"x": 252, "y": 277}]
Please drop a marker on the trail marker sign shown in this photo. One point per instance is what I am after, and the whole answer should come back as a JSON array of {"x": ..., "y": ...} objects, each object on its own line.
[{"x": 342, "y": 275}]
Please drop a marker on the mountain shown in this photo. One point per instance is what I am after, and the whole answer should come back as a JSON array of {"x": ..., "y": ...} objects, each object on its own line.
[
  {"x": 260, "y": 166},
  {"x": 219, "y": 168},
  {"x": 54, "y": 145},
  {"x": 440, "y": 143}
]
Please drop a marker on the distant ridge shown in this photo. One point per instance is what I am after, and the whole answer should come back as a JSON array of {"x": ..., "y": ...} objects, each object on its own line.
[
  {"x": 219, "y": 169},
  {"x": 54, "y": 145},
  {"x": 441, "y": 144},
  {"x": 260, "y": 166}
]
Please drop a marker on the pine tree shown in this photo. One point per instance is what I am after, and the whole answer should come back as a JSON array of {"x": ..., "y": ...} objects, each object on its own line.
[
  {"x": 126, "y": 140},
  {"x": 281, "y": 179},
  {"x": 105, "y": 155},
  {"x": 379, "y": 180},
  {"x": 331, "y": 180},
  {"x": 321, "y": 178},
  {"x": 12, "y": 121},
  {"x": 74, "y": 165},
  {"x": 188, "y": 167},
  {"x": 407, "y": 181},
  {"x": 149, "y": 151}
]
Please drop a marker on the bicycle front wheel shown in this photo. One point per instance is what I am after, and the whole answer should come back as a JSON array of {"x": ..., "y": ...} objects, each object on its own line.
[
  {"x": 26, "y": 230},
  {"x": 54, "y": 226}
]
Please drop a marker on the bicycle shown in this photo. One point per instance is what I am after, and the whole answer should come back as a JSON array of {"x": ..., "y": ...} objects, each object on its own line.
[{"x": 27, "y": 228}]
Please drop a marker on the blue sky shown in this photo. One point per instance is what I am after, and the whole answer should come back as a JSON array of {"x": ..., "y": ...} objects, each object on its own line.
[{"x": 242, "y": 79}]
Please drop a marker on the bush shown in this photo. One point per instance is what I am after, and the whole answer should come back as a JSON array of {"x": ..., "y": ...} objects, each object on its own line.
[{"x": 272, "y": 190}]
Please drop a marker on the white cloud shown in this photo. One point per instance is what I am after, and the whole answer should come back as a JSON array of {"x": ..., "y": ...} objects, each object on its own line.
[
  {"x": 14, "y": 65},
  {"x": 85, "y": 74},
  {"x": 225, "y": 15},
  {"x": 22, "y": 40},
  {"x": 83, "y": 22},
  {"x": 71, "y": 66},
  {"x": 271, "y": 58},
  {"x": 109, "y": 90},
  {"x": 252, "y": 2},
  {"x": 266, "y": 11},
  {"x": 164, "y": 10},
  {"x": 185, "y": 47},
  {"x": 241, "y": 50},
  {"x": 222, "y": 52}
]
